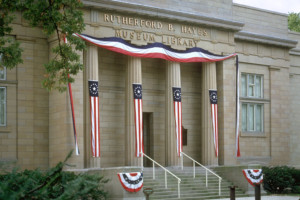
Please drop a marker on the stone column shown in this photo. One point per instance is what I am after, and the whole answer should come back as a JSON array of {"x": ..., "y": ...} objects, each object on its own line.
[
  {"x": 209, "y": 81},
  {"x": 173, "y": 79},
  {"x": 92, "y": 74},
  {"x": 134, "y": 75}
]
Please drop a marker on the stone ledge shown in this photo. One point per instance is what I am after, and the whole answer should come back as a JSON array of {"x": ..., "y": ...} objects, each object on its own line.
[
  {"x": 265, "y": 39},
  {"x": 295, "y": 52},
  {"x": 152, "y": 11}
]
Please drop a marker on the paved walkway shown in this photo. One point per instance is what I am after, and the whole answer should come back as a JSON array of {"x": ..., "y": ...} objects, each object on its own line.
[{"x": 273, "y": 197}]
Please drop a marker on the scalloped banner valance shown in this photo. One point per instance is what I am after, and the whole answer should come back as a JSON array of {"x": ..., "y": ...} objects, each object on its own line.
[
  {"x": 253, "y": 176},
  {"x": 132, "y": 182},
  {"x": 154, "y": 50},
  {"x": 159, "y": 50}
]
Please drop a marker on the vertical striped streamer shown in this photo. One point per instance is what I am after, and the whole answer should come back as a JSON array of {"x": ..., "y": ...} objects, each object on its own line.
[
  {"x": 94, "y": 110},
  {"x": 237, "y": 136},
  {"x": 178, "y": 118},
  {"x": 138, "y": 118},
  {"x": 72, "y": 109},
  {"x": 214, "y": 115}
]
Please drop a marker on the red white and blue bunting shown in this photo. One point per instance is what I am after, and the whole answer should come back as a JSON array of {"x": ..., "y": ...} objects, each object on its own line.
[
  {"x": 237, "y": 129},
  {"x": 95, "y": 119},
  {"x": 132, "y": 182},
  {"x": 178, "y": 118},
  {"x": 253, "y": 176},
  {"x": 159, "y": 50},
  {"x": 154, "y": 50},
  {"x": 72, "y": 109},
  {"x": 214, "y": 116},
  {"x": 138, "y": 119}
]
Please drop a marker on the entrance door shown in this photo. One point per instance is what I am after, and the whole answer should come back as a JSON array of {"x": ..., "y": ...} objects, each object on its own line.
[{"x": 148, "y": 137}]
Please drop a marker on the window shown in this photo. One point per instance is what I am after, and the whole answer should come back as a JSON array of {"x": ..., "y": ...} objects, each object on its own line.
[
  {"x": 2, "y": 106},
  {"x": 252, "y": 85},
  {"x": 2, "y": 73},
  {"x": 252, "y": 117},
  {"x": 252, "y": 112}
]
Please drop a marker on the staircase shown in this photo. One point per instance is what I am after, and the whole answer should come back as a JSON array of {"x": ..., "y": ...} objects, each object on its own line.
[{"x": 190, "y": 188}]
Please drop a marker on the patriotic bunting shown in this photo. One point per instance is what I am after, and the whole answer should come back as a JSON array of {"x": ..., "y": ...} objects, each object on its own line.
[
  {"x": 253, "y": 176},
  {"x": 132, "y": 182},
  {"x": 73, "y": 113},
  {"x": 138, "y": 118},
  {"x": 154, "y": 50},
  {"x": 94, "y": 110},
  {"x": 237, "y": 133},
  {"x": 159, "y": 50},
  {"x": 178, "y": 118},
  {"x": 214, "y": 115}
]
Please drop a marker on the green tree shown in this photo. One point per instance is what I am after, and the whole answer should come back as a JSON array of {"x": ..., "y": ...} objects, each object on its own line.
[
  {"x": 294, "y": 22},
  {"x": 61, "y": 18}
]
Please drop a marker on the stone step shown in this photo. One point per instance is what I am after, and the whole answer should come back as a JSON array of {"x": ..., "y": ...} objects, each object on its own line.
[
  {"x": 173, "y": 197},
  {"x": 190, "y": 188}
]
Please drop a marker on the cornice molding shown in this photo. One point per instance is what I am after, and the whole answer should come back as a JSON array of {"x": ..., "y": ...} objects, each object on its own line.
[
  {"x": 295, "y": 52},
  {"x": 265, "y": 39},
  {"x": 134, "y": 8}
]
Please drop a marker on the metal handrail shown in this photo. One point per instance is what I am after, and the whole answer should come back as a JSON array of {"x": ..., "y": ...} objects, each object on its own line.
[
  {"x": 154, "y": 162},
  {"x": 206, "y": 170}
]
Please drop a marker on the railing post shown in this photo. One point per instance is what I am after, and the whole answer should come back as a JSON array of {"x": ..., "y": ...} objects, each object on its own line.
[
  {"x": 219, "y": 187},
  {"x": 166, "y": 184},
  {"x": 153, "y": 170},
  {"x": 142, "y": 159},
  {"x": 194, "y": 169},
  {"x": 181, "y": 161},
  {"x": 178, "y": 189},
  {"x": 206, "y": 177}
]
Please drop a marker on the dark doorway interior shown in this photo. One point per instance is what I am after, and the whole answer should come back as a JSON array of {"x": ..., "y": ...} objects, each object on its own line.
[{"x": 148, "y": 137}]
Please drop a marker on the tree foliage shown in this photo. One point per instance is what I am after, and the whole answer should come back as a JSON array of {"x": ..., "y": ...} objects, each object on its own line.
[
  {"x": 294, "y": 22},
  {"x": 52, "y": 184},
  {"x": 60, "y": 18}
]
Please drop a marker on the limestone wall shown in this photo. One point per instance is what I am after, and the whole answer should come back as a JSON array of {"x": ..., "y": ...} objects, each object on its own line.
[
  {"x": 294, "y": 101},
  {"x": 212, "y": 8},
  {"x": 273, "y": 63},
  {"x": 112, "y": 98},
  {"x": 112, "y": 67},
  {"x": 191, "y": 108},
  {"x": 25, "y": 138},
  {"x": 261, "y": 21}
]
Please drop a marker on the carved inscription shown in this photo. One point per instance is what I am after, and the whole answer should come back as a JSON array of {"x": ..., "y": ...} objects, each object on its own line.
[{"x": 145, "y": 26}]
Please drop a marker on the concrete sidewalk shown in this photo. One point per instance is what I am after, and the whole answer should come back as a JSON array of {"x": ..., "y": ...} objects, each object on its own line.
[{"x": 271, "y": 197}]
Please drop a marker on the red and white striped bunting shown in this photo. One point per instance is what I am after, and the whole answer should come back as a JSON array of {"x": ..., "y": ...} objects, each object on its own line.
[
  {"x": 154, "y": 50},
  {"x": 94, "y": 110},
  {"x": 237, "y": 128},
  {"x": 73, "y": 112},
  {"x": 178, "y": 118},
  {"x": 138, "y": 118},
  {"x": 214, "y": 115}
]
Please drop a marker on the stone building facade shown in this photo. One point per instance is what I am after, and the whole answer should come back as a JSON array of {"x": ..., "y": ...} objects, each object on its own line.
[{"x": 37, "y": 129}]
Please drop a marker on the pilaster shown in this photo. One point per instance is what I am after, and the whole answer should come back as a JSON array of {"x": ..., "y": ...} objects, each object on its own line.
[
  {"x": 92, "y": 74},
  {"x": 209, "y": 81},
  {"x": 134, "y": 75},
  {"x": 173, "y": 79}
]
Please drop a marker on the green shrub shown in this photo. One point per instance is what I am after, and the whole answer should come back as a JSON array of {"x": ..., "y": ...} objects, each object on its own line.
[
  {"x": 296, "y": 175},
  {"x": 278, "y": 179},
  {"x": 52, "y": 184}
]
